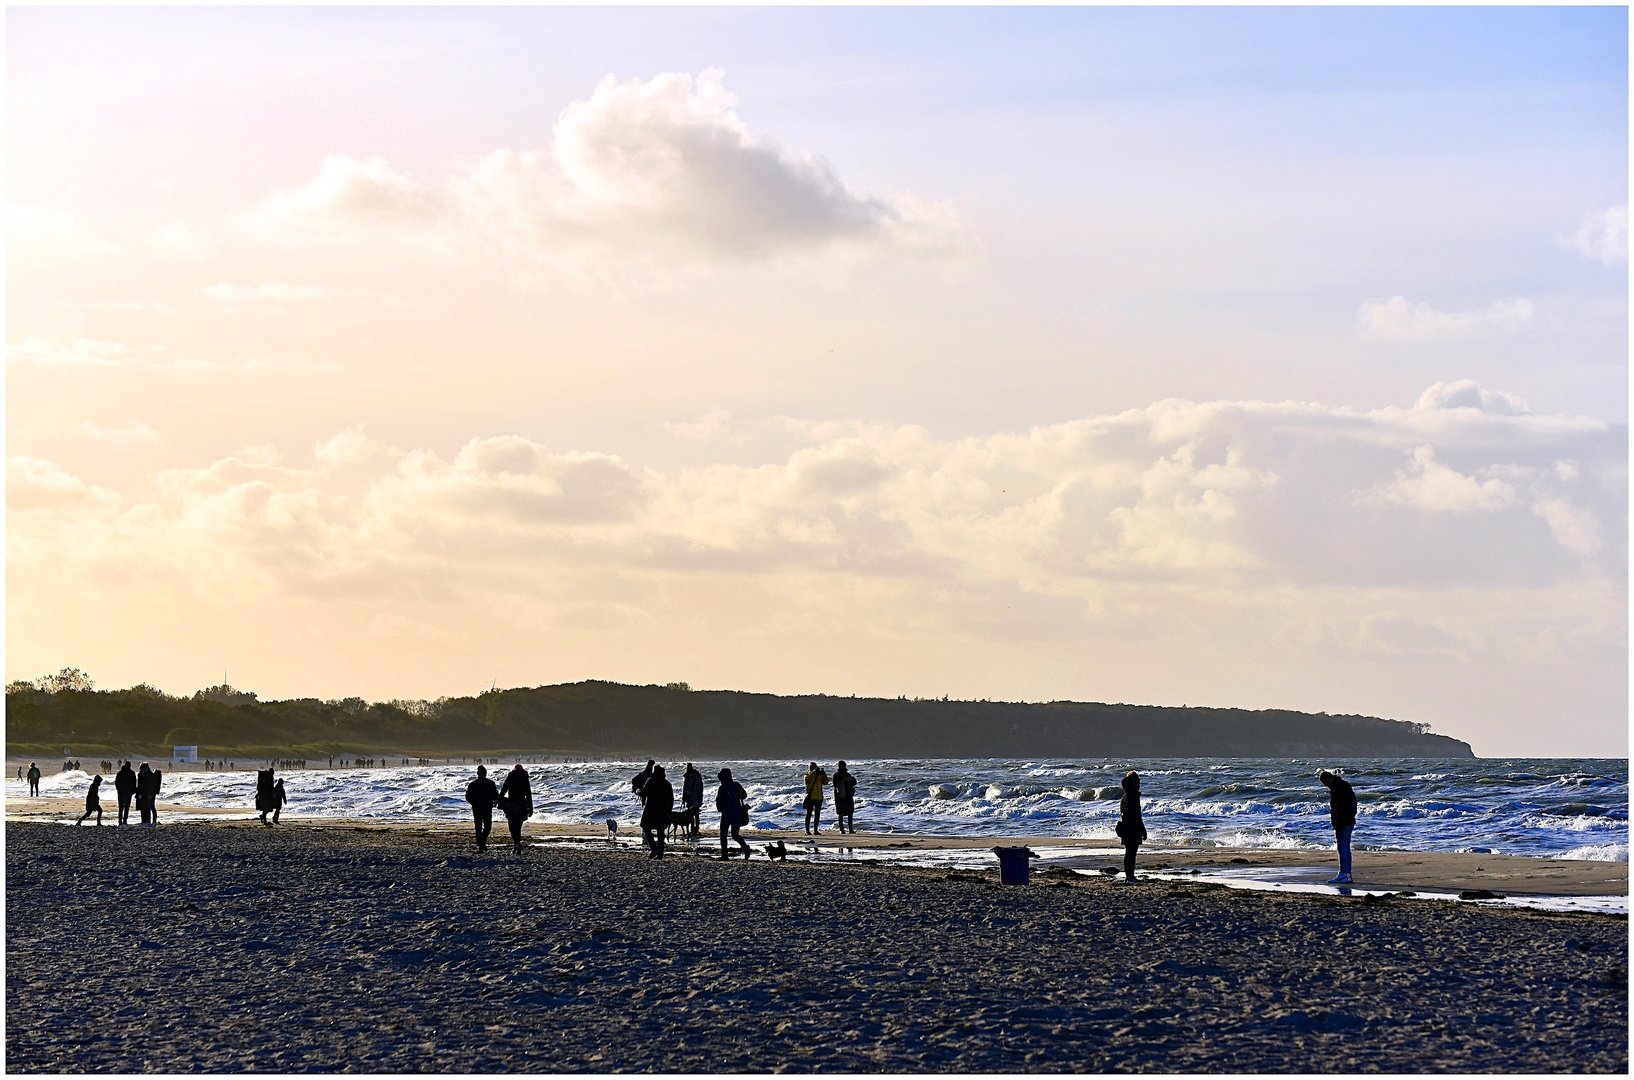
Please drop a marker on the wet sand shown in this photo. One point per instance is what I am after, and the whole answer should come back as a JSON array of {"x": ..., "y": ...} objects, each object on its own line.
[{"x": 227, "y": 946}]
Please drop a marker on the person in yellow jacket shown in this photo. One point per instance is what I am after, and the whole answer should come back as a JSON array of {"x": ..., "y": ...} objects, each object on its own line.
[{"x": 816, "y": 779}]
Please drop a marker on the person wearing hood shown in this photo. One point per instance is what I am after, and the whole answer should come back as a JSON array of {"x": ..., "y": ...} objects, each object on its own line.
[
  {"x": 93, "y": 804},
  {"x": 659, "y": 798},
  {"x": 482, "y": 795},
  {"x": 124, "y": 786},
  {"x": 732, "y": 801},
  {"x": 1131, "y": 828},
  {"x": 1342, "y": 813},
  {"x": 516, "y": 799}
]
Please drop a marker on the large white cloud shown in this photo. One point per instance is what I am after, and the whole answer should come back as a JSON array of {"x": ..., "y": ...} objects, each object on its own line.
[
  {"x": 660, "y": 169},
  {"x": 1242, "y": 501}
]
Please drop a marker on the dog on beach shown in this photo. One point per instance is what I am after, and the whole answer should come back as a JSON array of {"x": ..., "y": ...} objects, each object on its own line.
[
  {"x": 777, "y": 852},
  {"x": 612, "y": 829},
  {"x": 685, "y": 822}
]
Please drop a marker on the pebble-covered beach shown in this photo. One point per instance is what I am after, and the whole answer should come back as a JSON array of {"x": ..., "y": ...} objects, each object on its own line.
[{"x": 233, "y": 947}]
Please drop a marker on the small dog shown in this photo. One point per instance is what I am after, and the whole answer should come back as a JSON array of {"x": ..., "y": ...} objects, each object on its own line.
[
  {"x": 777, "y": 852},
  {"x": 612, "y": 829}
]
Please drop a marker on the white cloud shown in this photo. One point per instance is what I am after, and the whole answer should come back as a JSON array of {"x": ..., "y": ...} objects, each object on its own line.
[
  {"x": 1603, "y": 236},
  {"x": 134, "y": 432},
  {"x": 1429, "y": 485},
  {"x": 1239, "y": 500},
  {"x": 1400, "y": 319},
  {"x": 660, "y": 170},
  {"x": 53, "y": 231},
  {"x": 88, "y": 353}
]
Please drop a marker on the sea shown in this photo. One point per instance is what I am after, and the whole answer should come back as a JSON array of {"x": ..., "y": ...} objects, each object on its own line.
[{"x": 1571, "y": 808}]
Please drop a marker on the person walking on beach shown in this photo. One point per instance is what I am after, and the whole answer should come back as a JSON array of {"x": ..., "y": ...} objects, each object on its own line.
[
  {"x": 692, "y": 796},
  {"x": 1131, "y": 828},
  {"x": 816, "y": 780},
  {"x": 1342, "y": 812},
  {"x": 659, "y": 798},
  {"x": 845, "y": 796},
  {"x": 482, "y": 795},
  {"x": 516, "y": 799},
  {"x": 124, "y": 786},
  {"x": 264, "y": 798},
  {"x": 732, "y": 801},
  {"x": 33, "y": 779},
  {"x": 93, "y": 804},
  {"x": 278, "y": 799}
]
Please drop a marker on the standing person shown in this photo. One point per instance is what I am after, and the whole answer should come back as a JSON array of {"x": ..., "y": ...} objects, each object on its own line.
[
  {"x": 265, "y": 800},
  {"x": 93, "y": 804},
  {"x": 692, "y": 795},
  {"x": 144, "y": 793},
  {"x": 1131, "y": 828},
  {"x": 1342, "y": 812},
  {"x": 33, "y": 779},
  {"x": 516, "y": 798},
  {"x": 845, "y": 796},
  {"x": 816, "y": 780},
  {"x": 153, "y": 800},
  {"x": 732, "y": 801},
  {"x": 124, "y": 786},
  {"x": 658, "y": 796},
  {"x": 278, "y": 799},
  {"x": 482, "y": 795}
]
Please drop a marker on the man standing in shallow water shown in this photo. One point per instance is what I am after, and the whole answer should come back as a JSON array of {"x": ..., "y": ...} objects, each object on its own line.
[{"x": 1342, "y": 812}]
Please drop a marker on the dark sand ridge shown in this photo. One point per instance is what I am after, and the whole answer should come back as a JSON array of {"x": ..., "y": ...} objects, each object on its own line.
[
  {"x": 199, "y": 948},
  {"x": 1383, "y": 870}
]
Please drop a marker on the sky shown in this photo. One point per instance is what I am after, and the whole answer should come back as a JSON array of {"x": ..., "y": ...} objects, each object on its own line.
[{"x": 1267, "y": 358}]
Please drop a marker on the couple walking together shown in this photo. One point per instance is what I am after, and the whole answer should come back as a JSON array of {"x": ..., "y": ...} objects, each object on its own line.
[{"x": 515, "y": 800}]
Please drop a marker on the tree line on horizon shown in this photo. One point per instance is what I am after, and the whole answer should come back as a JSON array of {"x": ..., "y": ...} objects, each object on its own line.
[{"x": 601, "y": 718}]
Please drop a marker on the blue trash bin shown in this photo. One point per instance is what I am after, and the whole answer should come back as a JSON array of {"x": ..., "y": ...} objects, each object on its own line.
[{"x": 1015, "y": 867}]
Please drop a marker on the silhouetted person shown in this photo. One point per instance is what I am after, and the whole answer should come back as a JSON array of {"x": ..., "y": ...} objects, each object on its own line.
[
  {"x": 265, "y": 801},
  {"x": 516, "y": 799},
  {"x": 153, "y": 801},
  {"x": 33, "y": 779},
  {"x": 482, "y": 795},
  {"x": 278, "y": 799},
  {"x": 659, "y": 797},
  {"x": 638, "y": 783},
  {"x": 692, "y": 794},
  {"x": 145, "y": 793},
  {"x": 1342, "y": 812},
  {"x": 732, "y": 801},
  {"x": 93, "y": 804},
  {"x": 845, "y": 798},
  {"x": 1131, "y": 828},
  {"x": 816, "y": 780},
  {"x": 124, "y": 786}
]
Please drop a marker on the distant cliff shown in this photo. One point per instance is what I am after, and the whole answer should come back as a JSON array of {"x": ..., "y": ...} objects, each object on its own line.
[{"x": 611, "y": 718}]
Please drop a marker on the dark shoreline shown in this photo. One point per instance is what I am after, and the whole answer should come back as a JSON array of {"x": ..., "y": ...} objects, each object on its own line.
[{"x": 222, "y": 948}]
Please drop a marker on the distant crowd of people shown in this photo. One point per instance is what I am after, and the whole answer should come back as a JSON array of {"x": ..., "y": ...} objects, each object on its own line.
[{"x": 659, "y": 815}]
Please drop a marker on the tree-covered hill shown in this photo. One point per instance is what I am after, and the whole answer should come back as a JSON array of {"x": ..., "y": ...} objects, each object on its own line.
[{"x": 603, "y": 718}]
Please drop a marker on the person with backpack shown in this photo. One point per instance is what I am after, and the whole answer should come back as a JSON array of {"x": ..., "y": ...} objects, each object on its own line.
[
  {"x": 145, "y": 792},
  {"x": 733, "y": 803},
  {"x": 265, "y": 800}
]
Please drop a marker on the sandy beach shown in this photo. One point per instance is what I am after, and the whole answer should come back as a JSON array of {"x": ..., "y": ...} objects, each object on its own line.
[{"x": 224, "y": 947}]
